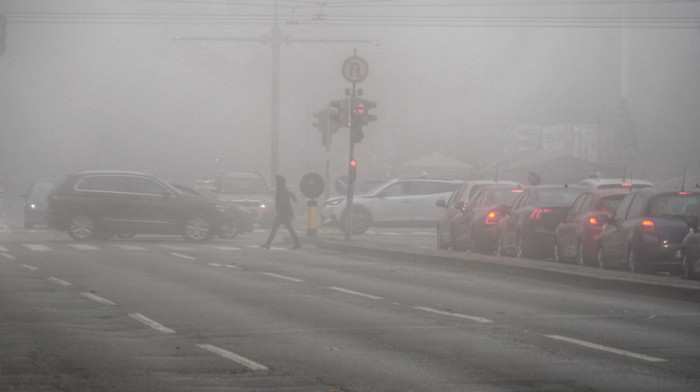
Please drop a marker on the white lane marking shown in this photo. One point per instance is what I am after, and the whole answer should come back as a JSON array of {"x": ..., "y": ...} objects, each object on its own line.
[
  {"x": 182, "y": 256},
  {"x": 231, "y": 266},
  {"x": 37, "y": 247},
  {"x": 423, "y": 233},
  {"x": 252, "y": 365},
  {"x": 271, "y": 248},
  {"x": 143, "y": 319},
  {"x": 215, "y": 265},
  {"x": 458, "y": 315},
  {"x": 97, "y": 299},
  {"x": 29, "y": 267},
  {"x": 218, "y": 247},
  {"x": 129, "y": 247},
  {"x": 9, "y": 256},
  {"x": 346, "y": 291},
  {"x": 83, "y": 247},
  {"x": 282, "y": 277},
  {"x": 2, "y": 249},
  {"x": 606, "y": 348},
  {"x": 175, "y": 247},
  {"x": 59, "y": 281}
]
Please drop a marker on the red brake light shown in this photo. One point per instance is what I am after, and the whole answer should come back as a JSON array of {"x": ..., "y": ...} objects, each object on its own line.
[
  {"x": 593, "y": 221},
  {"x": 537, "y": 214},
  {"x": 647, "y": 227},
  {"x": 625, "y": 184},
  {"x": 517, "y": 191},
  {"x": 493, "y": 217},
  {"x": 685, "y": 193}
]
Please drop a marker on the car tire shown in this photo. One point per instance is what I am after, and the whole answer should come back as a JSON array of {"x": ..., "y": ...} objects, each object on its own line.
[
  {"x": 82, "y": 227},
  {"x": 198, "y": 228},
  {"x": 360, "y": 221},
  {"x": 441, "y": 245},
  {"x": 687, "y": 266},
  {"x": 602, "y": 264},
  {"x": 557, "y": 256},
  {"x": 519, "y": 251},
  {"x": 500, "y": 251},
  {"x": 229, "y": 230},
  {"x": 580, "y": 256},
  {"x": 634, "y": 264}
]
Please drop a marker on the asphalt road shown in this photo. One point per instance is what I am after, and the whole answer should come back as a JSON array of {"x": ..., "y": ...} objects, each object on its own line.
[{"x": 160, "y": 314}]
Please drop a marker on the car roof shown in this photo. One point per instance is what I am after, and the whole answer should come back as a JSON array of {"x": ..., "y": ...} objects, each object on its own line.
[
  {"x": 110, "y": 172},
  {"x": 240, "y": 174},
  {"x": 596, "y": 182},
  {"x": 485, "y": 182}
]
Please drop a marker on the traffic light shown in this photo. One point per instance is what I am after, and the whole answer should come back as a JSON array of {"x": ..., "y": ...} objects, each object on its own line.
[
  {"x": 340, "y": 114},
  {"x": 353, "y": 170},
  {"x": 366, "y": 116},
  {"x": 356, "y": 134},
  {"x": 3, "y": 33},
  {"x": 322, "y": 123}
]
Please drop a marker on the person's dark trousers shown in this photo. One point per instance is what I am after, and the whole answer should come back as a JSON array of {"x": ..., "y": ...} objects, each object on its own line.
[{"x": 273, "y": 231}]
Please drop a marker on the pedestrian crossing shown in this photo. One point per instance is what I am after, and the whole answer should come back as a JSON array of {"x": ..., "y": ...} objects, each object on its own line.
[{"x": 37, "y": 247}]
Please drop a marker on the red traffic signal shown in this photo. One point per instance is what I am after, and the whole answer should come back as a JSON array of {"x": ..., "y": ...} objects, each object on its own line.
[{"x": 353, "y": 170}]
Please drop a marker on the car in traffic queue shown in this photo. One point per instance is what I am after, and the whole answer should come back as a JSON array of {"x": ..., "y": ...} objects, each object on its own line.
[
  {"x": 404, "y": 202},
  {"x": 476, "y": 228},
  {"x": 99, "y": 204},
  {"x": 690, "y": 247},
  {"x": 527, "y": 229},
  {"x": 451, "y": 208},
  {"x": 606, "y": 183},
  {"x": 646, "y": 231},
  {"x": 35, "y": 201},
  {"x": 249, "y": 190},
  {"x": 576, "y": 238}
]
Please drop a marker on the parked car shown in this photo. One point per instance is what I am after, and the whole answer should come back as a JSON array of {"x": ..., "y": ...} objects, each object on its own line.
[
  {"x": 35, "y": 201},
  {"x": 527, "y": 229},
  {"x": 690, "y": 250},
  {"x": 646, "y": 231},
  {"x": 99, "y": 204},
  {"x": 452, "y": 208},
  {"x": 242, "y": 222},
  {"x": 399, "y": 202},
  {"x": 476, "y": 227},
  {"x": 604, "y": 183},
  {"x": 576, "y": 238},
  {"x": 249, "y": 190}
]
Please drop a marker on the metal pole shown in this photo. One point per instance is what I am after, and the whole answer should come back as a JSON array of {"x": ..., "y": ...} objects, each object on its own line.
[
  {"x": 276, "y": 41},
  {"x": 351, "y": 180}
]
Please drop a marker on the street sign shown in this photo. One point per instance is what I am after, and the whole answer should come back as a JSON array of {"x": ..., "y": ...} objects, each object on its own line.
[
  {"x": 312, "y": 185},
  {"x": 355, "y": 69}
]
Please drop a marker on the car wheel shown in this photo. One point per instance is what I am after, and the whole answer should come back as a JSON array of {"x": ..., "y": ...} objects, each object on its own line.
[
  {"x": 557, "y": 256},
  {"x": 499, "y": 247},
  {"x": 82, "y": 228},
  {"x": 229, "y": 229},
  {"x": 580, "y": 257},
  {"x": 601, "y": 258},
  {"x": 360, "y": 222},
  {"x": 198, "y": 228},
  {"x": 441, "y": 245},
  {"x": 687, "y": 266},
  {"x": 519, "y": 252}
]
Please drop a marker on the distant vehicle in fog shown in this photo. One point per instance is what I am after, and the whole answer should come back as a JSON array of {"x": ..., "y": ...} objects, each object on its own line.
[
  {"x": 576, "y": 238},
  {"x": 35, "y": 201},
  {"x": 100, "y": 204},
  {"x": 646, "y": 231},
  {"x": 527, "y": 230},
  {"x": 691, "y": 245},
  {"x": 605, "y": 183},
  {"x": 249, "y": 190}
]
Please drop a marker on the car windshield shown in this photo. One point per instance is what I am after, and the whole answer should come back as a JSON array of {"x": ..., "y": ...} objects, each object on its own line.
[
  {"x": 504, "y": 196},
  {"x": 558, "y": 196},
  {"x": 243, "y": 185},
  {"x": 610, "y": 203},
  {"x": 675, "y": 205}
]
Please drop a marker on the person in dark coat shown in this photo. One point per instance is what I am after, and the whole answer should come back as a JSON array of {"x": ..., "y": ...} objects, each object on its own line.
[{"x": 283, "y": 214}]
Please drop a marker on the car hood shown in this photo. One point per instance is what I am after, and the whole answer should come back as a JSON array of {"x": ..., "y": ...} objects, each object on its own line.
[{"x": 243, "y": 197}]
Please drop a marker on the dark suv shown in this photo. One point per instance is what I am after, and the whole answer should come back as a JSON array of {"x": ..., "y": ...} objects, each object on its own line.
[{"x": 97, "y": 205}]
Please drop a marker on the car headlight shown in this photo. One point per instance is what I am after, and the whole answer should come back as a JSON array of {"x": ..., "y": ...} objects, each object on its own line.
[{"x": 334, "y": 202}]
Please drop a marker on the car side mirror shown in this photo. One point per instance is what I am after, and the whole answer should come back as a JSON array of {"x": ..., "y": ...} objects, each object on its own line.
[{"x": 692, "y": 222}]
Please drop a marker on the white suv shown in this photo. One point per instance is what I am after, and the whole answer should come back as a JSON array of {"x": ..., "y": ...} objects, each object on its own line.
[{"x": 400, "y": 202}]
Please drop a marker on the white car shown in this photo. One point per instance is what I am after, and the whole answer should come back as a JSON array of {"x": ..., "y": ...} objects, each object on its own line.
[{"x": 399, "y": 202}]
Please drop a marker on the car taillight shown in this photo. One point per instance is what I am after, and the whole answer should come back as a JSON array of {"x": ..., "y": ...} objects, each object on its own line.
[
  {"x": 647, "y": 227},
  {"x": 537, "y": 214},
  {"x": 593, "y": 221},
  {"x": 493, "y": 217}
]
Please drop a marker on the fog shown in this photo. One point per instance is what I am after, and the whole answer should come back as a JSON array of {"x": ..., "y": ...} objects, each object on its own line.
[{"x": 105, "y": 84}]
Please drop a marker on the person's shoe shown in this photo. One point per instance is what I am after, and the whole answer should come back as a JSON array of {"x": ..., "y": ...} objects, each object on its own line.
[
  {"x": 297, "y": 246},
  {"x": 265, "y": 246}
]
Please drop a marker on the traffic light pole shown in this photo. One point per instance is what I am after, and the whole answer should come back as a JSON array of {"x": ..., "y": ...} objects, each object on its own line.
[{"x": 351, "y": 174}]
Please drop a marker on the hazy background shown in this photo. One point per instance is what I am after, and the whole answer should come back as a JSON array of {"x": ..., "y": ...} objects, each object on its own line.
[{"x": 104, "y": 84}]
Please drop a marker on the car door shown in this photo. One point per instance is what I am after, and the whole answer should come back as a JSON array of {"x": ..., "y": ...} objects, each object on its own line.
[
  {"x": 567, "y": 231},
  {"x": 152, "y": 207},
  {"x": 391, "y": 204},
  {"x": 104, "y": 197},
  {"x": 509, "y": 225},
  {"x": 618, "y": 231},
  {"x": 448, "y": 213}
]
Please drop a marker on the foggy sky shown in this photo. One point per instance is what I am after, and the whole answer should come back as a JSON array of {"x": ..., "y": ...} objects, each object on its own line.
[{"x": 92, "y": 93}]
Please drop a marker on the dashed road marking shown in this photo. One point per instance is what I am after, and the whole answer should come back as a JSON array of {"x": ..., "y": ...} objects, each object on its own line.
[
  {"x": 9, "y": 256},
  {"x": 606, "y": 348},
  {"x": 29, "y": 267},
  {"x": 252, "y": 365},
  {"x": 458, "y": 315},
  {"x": 346, "y": 291},
  {"x": 218, "y": 247},
  {"x": 145, "y": 320},
  {"x": 282, "y": 277},
  {"x": 83, "y": 247},
  {"x": 215, "y": 265},
  {"x": 59, "y": 281},
  {"x": 2, "y": 249},
  {"x": 97, "y": 299},
  {"x": 129, "y": 247},
  {"x": 37, "y": 247},
  {"x": 182, "y": 256}
]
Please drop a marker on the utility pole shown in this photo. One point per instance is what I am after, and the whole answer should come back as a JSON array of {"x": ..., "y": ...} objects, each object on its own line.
[{"x": 276, "y": 39}]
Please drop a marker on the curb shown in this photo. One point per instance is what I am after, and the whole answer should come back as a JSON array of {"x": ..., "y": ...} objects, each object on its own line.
[{"x": 575, "y": 275}]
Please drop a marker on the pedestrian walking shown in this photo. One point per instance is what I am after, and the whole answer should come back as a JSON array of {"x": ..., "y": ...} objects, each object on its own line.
[{"x": 283, "y": 214}]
